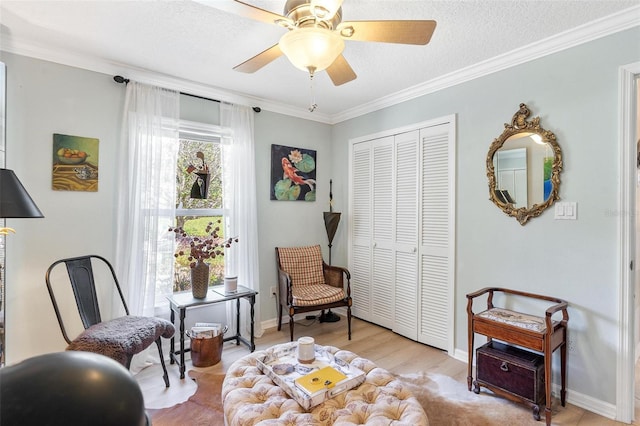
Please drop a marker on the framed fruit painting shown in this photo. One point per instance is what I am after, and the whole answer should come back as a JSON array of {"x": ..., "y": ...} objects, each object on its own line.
[{"x": 75, "y": 163}]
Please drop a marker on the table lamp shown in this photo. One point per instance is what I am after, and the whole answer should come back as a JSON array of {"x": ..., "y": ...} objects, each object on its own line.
[{"x": 15, "y": 202}]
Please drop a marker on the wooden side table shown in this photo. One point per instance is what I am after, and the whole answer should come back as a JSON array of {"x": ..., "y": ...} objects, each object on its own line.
[
  {"x": 180, "y": 302},
  {"x": 540, "y": 334}
]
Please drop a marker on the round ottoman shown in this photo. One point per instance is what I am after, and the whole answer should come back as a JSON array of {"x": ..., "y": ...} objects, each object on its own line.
[{"x": 251, "y": 398}]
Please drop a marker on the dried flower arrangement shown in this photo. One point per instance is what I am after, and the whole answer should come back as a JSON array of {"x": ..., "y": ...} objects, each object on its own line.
[{"x": 201, "y": 248}]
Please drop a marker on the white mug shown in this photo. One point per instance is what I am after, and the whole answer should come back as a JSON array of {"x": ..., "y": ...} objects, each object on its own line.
[{"x": 306, "y": 350}]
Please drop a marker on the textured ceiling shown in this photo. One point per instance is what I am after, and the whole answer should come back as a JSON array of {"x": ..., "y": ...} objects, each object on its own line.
[{"x": 201, "y": 44}]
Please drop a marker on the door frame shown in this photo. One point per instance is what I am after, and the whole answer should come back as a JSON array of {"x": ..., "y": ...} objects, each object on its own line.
[{"x": 626, "y": 226}]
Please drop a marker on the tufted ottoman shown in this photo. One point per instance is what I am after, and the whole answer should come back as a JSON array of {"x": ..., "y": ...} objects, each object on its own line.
[{"x": 251, "y": 398}]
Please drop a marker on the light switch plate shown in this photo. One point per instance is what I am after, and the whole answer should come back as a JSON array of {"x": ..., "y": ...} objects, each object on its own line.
[{"x": 566, "y": 210}]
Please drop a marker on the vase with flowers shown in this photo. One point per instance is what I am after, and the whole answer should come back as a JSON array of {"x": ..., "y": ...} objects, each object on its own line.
[{"x": 199, "y": 249}]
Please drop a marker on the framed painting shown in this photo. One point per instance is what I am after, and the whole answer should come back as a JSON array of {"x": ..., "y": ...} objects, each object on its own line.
[
  {"x": 75, "y": 163},
  {"x": 293, "y": 173}
]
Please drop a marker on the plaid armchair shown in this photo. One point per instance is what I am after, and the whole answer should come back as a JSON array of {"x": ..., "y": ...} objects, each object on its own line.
[{"x": 307, "y": 283}]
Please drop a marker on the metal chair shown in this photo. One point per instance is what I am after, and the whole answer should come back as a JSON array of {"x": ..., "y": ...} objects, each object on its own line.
[
  {"x": 307, "y": 283},
  {"x": 118, "y": 338}
]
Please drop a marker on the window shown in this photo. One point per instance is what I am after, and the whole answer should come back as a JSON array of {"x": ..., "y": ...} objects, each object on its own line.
[{"x": 199, "y": 201}]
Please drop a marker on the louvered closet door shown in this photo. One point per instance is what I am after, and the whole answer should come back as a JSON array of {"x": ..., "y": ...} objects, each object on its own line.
[
  {"x": 402, "y": 231},
  {"x": 382, "y": 283},
  {"x": 436, "y": 236},
  {"x": 360, "y": 258},
  {"x": 406, "y": 236}
]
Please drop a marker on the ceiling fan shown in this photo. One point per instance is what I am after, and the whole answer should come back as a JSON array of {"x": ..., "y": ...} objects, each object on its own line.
[{"x": 316, "y": 35}]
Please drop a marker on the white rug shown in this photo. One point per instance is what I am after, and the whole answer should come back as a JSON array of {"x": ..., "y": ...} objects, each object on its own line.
[{"x": 449, "y": 402}]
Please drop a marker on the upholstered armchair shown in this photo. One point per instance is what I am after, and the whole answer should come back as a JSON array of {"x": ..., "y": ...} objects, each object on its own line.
[{"x": 307, "y": 283}]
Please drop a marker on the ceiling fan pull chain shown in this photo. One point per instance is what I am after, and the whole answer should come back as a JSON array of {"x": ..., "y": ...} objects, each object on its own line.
[{"x": 313, "y": 105}]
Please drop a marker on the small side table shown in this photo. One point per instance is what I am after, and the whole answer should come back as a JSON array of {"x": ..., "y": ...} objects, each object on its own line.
[{"x": 180, "y": 302}]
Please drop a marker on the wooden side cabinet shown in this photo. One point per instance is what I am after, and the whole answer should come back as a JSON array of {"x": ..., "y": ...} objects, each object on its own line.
[
  {"x": 541, "y": 334},
  {"x": 511, "y": 372}
]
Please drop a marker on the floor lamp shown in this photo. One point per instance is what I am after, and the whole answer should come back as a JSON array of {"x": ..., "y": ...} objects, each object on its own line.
[
  {"x": 331, "y": 221},
  {"x": 15, "y": 202}
]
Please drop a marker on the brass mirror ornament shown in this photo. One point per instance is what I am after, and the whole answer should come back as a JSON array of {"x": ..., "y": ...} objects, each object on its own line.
[{"x": 523, "y": 167}]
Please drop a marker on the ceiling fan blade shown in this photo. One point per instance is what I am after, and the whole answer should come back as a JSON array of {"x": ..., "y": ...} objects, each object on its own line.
[
  {"x": 246, "y": 10},
  {"x": 340, "y": 71},
  {"x": 404, "y": 32},
  {"x": 260, "y": 60}
]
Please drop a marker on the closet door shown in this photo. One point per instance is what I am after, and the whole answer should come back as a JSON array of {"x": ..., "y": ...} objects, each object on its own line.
[
  {"x": 382, "y": 229},
  {"x": 405, "y": 212},
  {"x": 372, "y": 223},
  {"x": 360, "y": 246},
  {"x": 402, "y": 193},
  {"x": 437, "y": 236}
]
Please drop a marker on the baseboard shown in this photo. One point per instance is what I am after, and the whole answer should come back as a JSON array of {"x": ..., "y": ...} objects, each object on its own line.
[
  {"x": 273, "y": 322},
  {"x": 461, "y": 355},
  {"x": 270, "y": 323},
  {"x": 602, "y": 408}
]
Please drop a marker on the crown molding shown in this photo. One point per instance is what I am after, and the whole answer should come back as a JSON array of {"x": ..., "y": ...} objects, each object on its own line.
[
  {"x": 608, "y": 25},
  {"x": 590, "y": 31},
  {"x": 92, "y": 63}
]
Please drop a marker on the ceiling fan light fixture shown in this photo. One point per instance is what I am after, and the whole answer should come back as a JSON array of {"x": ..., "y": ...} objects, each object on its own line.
[
  {"x": 311, "y": 48},
  {"x": 347, "y": 31},
  {"x": 285, "y": 23},
  {"x": 325, "y": 9}
]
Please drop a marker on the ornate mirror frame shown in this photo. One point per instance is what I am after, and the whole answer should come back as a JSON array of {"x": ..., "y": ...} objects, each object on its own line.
[{"x": 522, "y": 126}]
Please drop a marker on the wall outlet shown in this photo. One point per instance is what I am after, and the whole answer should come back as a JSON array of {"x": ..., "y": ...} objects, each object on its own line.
[
  {"x": 273, "y": 291},
  {"x": 572, "y": 344}
]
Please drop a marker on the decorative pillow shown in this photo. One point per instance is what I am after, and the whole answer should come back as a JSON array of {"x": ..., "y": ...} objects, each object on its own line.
[{"x": 303, "y": 264}]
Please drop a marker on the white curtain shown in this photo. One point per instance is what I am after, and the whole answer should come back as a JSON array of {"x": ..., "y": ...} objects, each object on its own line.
[
  {"x": 146, "y": 195},
  {"x": 240, "y": 203}
]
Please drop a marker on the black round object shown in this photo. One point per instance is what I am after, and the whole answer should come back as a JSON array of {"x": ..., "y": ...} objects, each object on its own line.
[{"x": 70, "y": 388}]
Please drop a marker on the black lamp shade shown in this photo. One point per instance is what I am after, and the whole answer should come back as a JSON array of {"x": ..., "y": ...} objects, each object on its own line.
[{"x": 15, "y": 201}]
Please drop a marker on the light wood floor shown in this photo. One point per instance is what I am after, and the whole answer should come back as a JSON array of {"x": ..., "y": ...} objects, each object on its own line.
[{"x": 387, "y": 349}]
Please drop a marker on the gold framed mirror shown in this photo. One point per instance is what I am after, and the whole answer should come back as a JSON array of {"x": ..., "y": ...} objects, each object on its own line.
[{"x": 523, "y": 167}]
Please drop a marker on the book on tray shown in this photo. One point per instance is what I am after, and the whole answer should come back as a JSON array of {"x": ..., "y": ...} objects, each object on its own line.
[
  {"x": 334, "y": 375},
  {"x": 319, "y": 380}
]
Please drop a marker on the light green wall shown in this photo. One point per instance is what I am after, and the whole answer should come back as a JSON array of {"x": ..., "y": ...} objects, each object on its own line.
[
  {"x": 46, "y": 98},
  {"x": 288, "y": 223},
  {"x": 575, "y": 94},
  {"x": 199, "y": 110}
]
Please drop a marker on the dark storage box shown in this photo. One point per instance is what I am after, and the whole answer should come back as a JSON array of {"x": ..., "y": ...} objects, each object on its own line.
[{"x": 514, "y": 371}]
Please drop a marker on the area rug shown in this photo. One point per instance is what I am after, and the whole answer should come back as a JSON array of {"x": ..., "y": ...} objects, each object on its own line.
[
  {"x": 202, "y": 408},
  {"x": 447, "y": 403}
]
